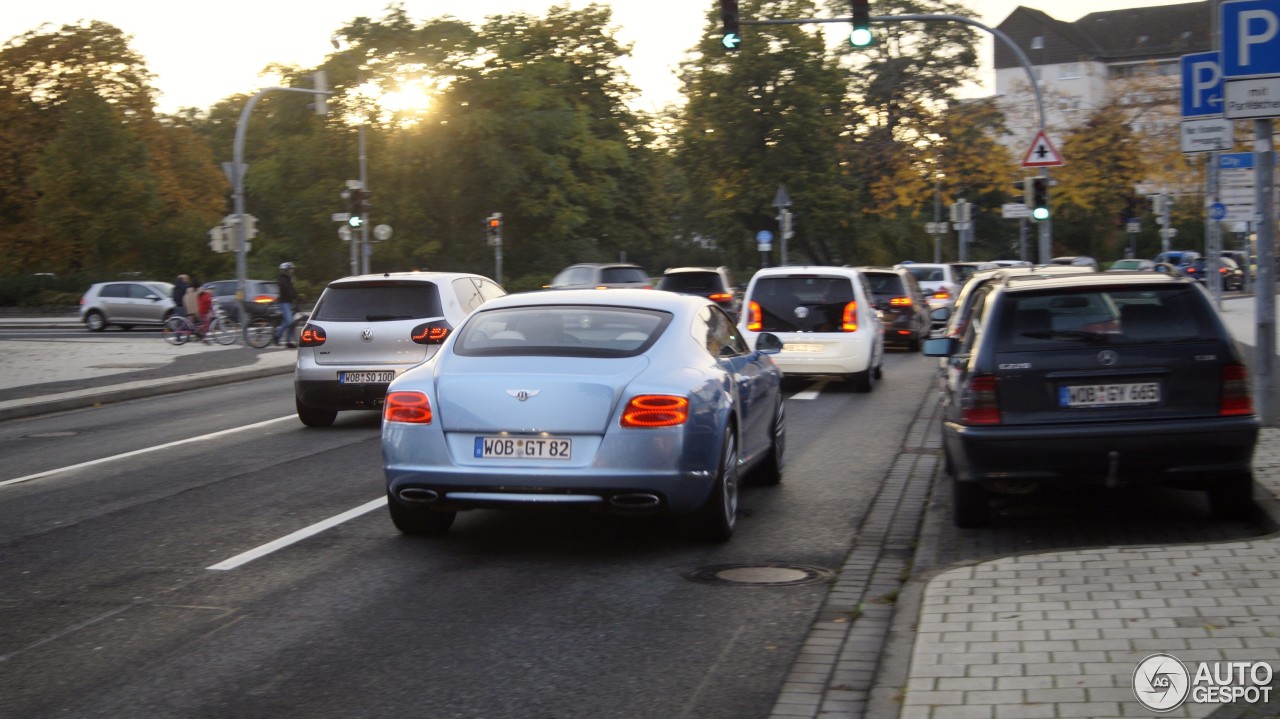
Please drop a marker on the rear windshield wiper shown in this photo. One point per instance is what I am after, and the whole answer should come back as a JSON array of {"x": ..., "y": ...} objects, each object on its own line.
[{"x": 1080, "y": 335}]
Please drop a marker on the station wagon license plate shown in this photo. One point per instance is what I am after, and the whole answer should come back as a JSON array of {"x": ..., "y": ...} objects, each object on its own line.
[
  {"x": 523, "y": 447},
  {"x": 366, "y": 377},
  {"x": 1109, "y": 395}
]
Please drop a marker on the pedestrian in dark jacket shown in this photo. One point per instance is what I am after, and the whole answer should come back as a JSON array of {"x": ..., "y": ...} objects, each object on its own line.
[{"x": 288, "y": 295}]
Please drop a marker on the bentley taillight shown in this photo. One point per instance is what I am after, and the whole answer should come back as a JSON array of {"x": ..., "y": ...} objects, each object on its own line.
[
  {"x": 408, "y": 407},
  {"x": 655, "y": 410}
]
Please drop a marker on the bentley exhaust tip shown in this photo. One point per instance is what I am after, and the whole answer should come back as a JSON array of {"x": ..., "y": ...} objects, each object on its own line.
[
  {"x": 635, "y": 501},
  {"x": 418, "y": 495}
]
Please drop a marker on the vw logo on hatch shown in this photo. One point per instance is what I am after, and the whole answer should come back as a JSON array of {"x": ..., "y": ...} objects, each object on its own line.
[
  {"x": 802, "y": 312},
  {"x": 524, "y": 394},
  {"x": 366, "y": 335},
  {"x": 1106, "y": 358}
]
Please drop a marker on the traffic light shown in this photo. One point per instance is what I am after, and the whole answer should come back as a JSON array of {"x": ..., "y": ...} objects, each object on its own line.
[
  {"x": 493, "y": 228},
  {"x": 861, "y": 35},
  {"x": 357, "y": 204},
  {"x": 1039, "y": 198},
  {"x": 730, "y": 37}
]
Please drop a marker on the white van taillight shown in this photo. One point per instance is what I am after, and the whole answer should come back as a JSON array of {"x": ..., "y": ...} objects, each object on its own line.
[
  {"x": 755, "y": 318},
  {"x": 849, "y": 322},
  {"x": 1236, "y": 399},
  {"x": 978, "y": 401}
]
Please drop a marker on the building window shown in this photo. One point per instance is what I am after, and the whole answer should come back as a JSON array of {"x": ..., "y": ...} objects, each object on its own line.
[
  {"x": 1069, "y": 71},
  {"x": 1037, "y": 42}
]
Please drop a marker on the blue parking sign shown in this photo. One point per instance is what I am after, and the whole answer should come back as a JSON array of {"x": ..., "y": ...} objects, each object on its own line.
[
  {"x": 1250, "y": 38},
  {"x": 1201, "y": 84}
]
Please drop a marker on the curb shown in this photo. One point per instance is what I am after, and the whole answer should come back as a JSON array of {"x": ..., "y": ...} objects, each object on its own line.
[{"x": 80, "y": 399}]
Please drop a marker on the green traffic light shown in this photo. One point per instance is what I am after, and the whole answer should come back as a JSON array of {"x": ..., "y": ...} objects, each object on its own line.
[
  {"x": 731, "y": 40},
  {"x": 860, "y": 37},
  {"x": 1040, "y": 213},
  {"x": 355, "y": 220}
]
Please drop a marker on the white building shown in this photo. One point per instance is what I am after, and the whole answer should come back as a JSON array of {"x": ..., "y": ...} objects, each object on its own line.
[{"x": 1131, "y": 55}]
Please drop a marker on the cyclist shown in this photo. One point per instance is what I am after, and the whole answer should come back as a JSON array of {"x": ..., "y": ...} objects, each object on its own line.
[
  {"x": 288, "y": 295},
  {"x": 204, "y": 309}
]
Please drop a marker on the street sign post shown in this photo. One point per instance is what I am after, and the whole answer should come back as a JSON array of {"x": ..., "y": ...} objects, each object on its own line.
[{"x": 1250, "y": 43}]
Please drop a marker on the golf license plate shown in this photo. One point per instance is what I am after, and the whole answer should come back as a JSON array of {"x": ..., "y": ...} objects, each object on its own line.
[
  {"x": 1109, "y": 395},
  {"x": 366, "y": 377},
  {"x": 524, "y": 447}
]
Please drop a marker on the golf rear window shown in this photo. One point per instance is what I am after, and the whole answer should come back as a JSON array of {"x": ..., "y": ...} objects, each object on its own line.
[
  {"x": 691, "y": 283},
  {"x": 378, "y": 302},
  {"x": 618, "y": 275}
]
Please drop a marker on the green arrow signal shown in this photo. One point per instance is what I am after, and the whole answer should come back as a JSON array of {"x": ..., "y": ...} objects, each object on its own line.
[
  {"x": 355, "y": 221},
  {"x": 731, "y": 40}
]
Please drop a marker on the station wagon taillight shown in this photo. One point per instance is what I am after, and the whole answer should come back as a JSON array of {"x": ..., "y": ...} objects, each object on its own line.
[
  {"x": 978, "y": 401},
  {"x": 430, "y": 333},
  {"x": 849, "y": 322},
  {"x": 408, "y": 407},
  {"x": 311, "y": 336},
  {"x": 1236, "y": 399},
  {"x": 655, "y": 410},
  {"x": 755, "y": 317}
]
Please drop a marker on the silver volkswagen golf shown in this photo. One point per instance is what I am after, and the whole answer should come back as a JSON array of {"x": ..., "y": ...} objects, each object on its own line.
[{"x": 367, "y": 330}]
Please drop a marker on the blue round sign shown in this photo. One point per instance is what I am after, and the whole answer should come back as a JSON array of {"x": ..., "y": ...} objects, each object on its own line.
[
  {"x": 764, "y": 237},
  {"x": 1217, "y": 210}
]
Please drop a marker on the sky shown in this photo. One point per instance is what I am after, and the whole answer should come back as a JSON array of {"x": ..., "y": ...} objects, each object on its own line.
[{"x": 204, "y": 52}]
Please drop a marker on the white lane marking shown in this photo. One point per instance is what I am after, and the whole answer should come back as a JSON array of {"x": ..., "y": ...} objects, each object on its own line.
[
  {"x": 145, "y": 450},
  {"x": 813, "y": 392},
  {"x": 298, "y": 536}
]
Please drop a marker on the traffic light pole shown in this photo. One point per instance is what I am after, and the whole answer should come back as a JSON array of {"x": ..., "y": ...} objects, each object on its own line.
[{"x": 237, "y": 179}]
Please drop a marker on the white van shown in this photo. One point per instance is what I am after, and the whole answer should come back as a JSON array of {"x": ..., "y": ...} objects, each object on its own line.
[{"x": 826, "y": 318}]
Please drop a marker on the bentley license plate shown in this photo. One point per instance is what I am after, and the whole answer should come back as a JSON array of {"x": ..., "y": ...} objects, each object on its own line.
[{"x": 523, "y": 447}]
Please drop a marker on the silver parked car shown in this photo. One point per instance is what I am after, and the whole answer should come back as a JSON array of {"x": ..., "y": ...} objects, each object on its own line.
[
  {"x": 126, "y": 304},
  {"x": 367, "y": 330},
  {"x": 625, "y": 401}
]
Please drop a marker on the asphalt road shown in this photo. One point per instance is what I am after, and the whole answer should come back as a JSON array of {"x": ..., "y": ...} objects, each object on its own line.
[{"x": 110, "y": 607}]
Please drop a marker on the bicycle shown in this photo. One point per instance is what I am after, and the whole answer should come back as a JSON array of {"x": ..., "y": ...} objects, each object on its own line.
[
  {"x": 179, "y": 330},
  {"x": 260, "y": 330}
]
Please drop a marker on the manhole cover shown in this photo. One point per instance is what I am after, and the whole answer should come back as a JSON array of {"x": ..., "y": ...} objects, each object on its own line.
[
  {"x": 764, "y": 574},
  {"x": 44, "y": 435}
]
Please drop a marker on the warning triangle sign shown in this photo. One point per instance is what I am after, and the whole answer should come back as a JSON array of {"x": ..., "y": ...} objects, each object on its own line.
[{"x": 1042, "y": 153}]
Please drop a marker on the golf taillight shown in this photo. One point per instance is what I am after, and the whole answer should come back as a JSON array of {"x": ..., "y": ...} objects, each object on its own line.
[
  {"x": 849, "y": 320},
  {"x": 311, "y": 336},
  {"x": 900, "y": 302},
  {"x": 431, "y": 333},
  {"x": 655, "y": 410},
  {"x": 755, "y": 318},
  {"x": 941, "y": 295},
  {"x": 1236, "y": 399},
  {"x": 978, "y": 401},
  {"x": 720, "y": 297},
  {"x": 407, "y": 407},
  {"x": 264, "y": 299}
]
